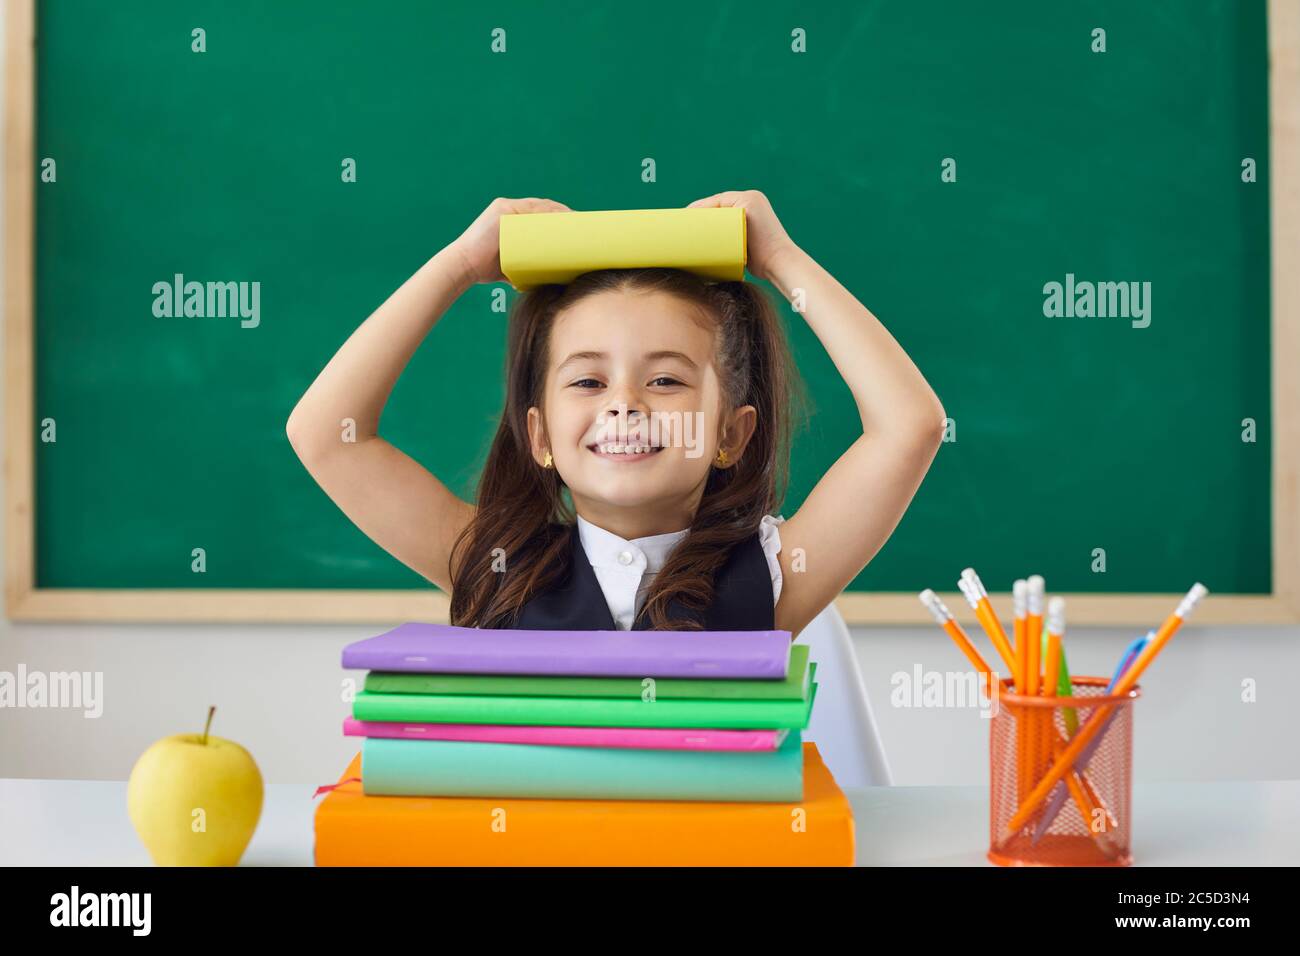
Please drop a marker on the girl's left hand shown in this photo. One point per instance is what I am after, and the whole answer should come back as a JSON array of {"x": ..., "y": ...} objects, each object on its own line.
[{"x": 765, "y": 237}]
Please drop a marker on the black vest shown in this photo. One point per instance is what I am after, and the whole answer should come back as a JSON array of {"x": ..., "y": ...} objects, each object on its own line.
[{"x": 742, "y": 599}]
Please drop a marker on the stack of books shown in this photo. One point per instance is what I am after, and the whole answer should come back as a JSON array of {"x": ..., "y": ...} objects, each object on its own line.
[{"x": 505, "y": 747}]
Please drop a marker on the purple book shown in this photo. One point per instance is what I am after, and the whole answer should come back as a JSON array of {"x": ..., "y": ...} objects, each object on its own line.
[{"x": 444, "y": 649}]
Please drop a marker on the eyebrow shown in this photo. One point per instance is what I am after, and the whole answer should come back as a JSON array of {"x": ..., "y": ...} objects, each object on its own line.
[{"x": 649, "y": 356}]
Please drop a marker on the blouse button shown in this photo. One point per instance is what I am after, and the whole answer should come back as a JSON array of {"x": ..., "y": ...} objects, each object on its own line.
[{"x": 625, "y": 557}]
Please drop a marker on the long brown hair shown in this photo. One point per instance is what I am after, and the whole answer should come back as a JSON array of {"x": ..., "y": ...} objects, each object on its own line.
[{"x": 523, "y": 518}]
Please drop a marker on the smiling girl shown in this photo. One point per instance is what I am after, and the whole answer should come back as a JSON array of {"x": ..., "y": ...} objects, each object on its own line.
[{"x": 598, "y": 507}]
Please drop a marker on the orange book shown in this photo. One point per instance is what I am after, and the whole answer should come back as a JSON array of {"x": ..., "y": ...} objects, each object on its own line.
[{"x": 353, "y": 829}]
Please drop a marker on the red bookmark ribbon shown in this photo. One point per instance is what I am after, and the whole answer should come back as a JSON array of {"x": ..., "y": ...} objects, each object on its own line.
[{"x": 332, "y": 786}]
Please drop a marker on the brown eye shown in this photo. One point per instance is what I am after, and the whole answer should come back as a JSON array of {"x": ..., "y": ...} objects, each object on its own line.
[
  {"x": 665, "y": 380},
  {"x": 585, "y": 383}
]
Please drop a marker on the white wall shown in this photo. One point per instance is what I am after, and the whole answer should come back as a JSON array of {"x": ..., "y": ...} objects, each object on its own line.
[{"x": 277, "y": 690}]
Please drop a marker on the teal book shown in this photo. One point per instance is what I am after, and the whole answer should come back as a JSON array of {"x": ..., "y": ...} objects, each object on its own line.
[
  {"x": 794, "y": 686},
  {"x": 584, "y": 711},
  {"x": 458, "y": 768}
]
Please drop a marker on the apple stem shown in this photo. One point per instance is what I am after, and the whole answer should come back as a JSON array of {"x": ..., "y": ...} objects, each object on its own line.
[{"x": 208, "y": 725}]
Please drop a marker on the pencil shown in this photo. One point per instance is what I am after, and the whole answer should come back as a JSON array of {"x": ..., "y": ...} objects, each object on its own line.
[
  {"x": 1033, "y": 646},
  {"x": 1085, "y": 795},
  {"x": 946, "y": 621},
  {"x": 1033, "y": 632},
  {"x": 1019, "y": 597},
  {"x": 978, "y": 598},
  {"x": 1055, "y": 658},
  {"x": 1055, "y": 627}
]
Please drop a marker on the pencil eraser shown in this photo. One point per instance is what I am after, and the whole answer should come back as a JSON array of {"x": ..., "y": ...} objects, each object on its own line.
[
  {"x": 556, "y": 247},
  {"x": 1037, "y": 586},
  {"x": 934, "y": 604},
  {"x": 1192, "y": 598},
  {"x": 1056, "y": 615},
  {"x": 969, "y": 591},
  {"x": 976, "y": 585}
]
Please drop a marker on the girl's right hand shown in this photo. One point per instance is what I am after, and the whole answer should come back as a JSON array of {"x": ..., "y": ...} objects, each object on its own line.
[{"x": 480, "y": 245}]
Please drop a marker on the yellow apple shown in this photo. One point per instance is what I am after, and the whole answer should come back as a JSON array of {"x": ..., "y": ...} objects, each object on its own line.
[{"x": 195, "y": 800}]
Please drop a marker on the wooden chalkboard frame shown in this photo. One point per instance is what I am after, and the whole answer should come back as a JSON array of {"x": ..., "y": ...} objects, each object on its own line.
[{"x": 24, "y": 601}]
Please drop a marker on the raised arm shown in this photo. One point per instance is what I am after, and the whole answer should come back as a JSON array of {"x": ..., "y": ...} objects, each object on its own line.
[
  {"x": 334, "y": 428},
  {"x": 857, "y": 504}
]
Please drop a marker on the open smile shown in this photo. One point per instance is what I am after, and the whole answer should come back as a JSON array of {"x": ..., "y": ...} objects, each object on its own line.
[{"x": 630, "y": 452}]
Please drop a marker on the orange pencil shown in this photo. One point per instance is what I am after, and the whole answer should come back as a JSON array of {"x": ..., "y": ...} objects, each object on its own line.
[
  {"x": 1019, "y": 597},
  {"x": 1019, "y": 604},
  {"x": 978, "y": 598},
  {"x": 946, "y": 621},
  {"x": 1033, "y": 632},
  {"x": 1099, "y": 716},
  {"x": 1034, "y": 734},
  {"x": 1055, "y": 628},
  {"x": 1087, "y": 797},
  {"x": 1045, "y": 754},
  {"x": 1033, "y": 652}
]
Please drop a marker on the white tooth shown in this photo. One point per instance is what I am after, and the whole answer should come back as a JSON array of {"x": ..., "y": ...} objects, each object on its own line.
[{"x": 610, "y": 448}]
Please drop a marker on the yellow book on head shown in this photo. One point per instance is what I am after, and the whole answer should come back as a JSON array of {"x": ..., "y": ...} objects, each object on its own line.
[{"x": 557, "y": 247}]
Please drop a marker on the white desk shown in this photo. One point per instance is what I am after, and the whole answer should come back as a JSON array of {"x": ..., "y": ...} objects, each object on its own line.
[{"x": 84, "y": 823}]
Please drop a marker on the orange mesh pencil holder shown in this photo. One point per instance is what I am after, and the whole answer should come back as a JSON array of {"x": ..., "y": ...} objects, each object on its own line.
[{"x": 1092, "y": 822}]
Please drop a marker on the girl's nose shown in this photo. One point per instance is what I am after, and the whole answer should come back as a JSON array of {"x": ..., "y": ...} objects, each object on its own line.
[
  {"x": 625, "y": 402},
  {"x": 623, "y": 408}
]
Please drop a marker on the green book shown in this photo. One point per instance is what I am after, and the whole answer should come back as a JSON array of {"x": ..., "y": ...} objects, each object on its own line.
[
  {"x": 794, "y": 687},
  {"x": 584, "y": 711}
]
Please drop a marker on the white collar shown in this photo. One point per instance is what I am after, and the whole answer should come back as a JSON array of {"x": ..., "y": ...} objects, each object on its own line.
[{"x": 607, "y": 550}]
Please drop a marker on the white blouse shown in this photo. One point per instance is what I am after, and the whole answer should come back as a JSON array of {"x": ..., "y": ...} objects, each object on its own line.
[{"x": 625, "y": 568}]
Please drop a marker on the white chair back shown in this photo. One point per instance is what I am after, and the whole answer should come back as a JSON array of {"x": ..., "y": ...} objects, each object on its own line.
[{"x": 842, "y": 723}]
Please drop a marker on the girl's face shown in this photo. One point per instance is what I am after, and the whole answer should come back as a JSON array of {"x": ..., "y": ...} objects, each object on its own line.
[{"x": 633, "y": 410}]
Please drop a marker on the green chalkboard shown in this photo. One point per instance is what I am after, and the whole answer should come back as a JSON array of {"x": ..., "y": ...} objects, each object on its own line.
[{"x": 1071, "y": 433}]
